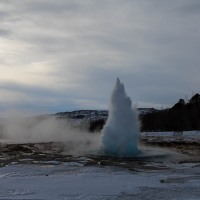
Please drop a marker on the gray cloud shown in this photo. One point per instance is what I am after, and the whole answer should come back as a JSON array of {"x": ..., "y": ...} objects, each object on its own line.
[
  {"x": 152, "y": 45},
  {"x": 52, "y": 6},
  {"x": 4, "y": 32},
  {"x": 3, "y": 14},
  {"x": 190, "y": 7}
]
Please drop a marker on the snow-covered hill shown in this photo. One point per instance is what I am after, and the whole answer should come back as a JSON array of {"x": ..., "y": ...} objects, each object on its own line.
[
  {"x": 85, "y": 115},
  {"x": 93, "y": 115}
]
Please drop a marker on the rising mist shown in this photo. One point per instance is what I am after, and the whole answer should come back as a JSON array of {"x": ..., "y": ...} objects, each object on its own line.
[{"x": 16, "y": 128}]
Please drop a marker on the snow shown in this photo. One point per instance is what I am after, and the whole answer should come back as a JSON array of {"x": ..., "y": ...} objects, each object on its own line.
[
  {"x": 169, "y": 134},
  {"x": 185, "y": 136},
  {"x": 71, "y": 185},
  {"x": 52, "y": 179},
  {"x": 72, "y": 181}
]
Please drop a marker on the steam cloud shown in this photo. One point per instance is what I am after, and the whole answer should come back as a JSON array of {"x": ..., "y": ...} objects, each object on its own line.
[
  {"x": 120, "y": 134},
  {"x": 19, "y": 129}
]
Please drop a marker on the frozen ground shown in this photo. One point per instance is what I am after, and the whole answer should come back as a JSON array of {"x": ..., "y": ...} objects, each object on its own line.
[
  {"x": 41, "y": 171},
  {"x": 74, "y": 181},
  {"x": 185, "y": 134}
]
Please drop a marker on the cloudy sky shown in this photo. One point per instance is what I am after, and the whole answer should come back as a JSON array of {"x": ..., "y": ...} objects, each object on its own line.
[{"x": 66, "y": 55}]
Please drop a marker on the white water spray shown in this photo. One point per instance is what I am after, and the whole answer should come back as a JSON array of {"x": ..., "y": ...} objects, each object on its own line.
[{"x": 121, "y": 132}]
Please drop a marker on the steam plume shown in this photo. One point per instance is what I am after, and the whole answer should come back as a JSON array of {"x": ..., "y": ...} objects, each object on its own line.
[
  {"x": 19, "y": 129},
  {"x": 120, "y": 134}
]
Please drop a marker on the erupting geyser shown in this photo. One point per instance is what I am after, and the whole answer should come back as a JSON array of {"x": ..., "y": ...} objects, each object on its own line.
[{"x": 120, "y": 134}]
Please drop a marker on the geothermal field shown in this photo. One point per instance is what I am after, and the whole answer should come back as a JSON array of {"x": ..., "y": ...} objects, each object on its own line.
[{"x": 47, "y": 158}]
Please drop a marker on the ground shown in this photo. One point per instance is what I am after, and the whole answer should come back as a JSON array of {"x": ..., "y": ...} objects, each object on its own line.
[{"x": 42, "y": 171}]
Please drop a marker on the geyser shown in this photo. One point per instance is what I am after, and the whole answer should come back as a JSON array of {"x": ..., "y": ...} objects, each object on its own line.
[{"x": 121, "y": 132}]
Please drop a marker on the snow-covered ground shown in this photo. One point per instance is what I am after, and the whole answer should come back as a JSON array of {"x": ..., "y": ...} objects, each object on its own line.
[
  {"x": 74, "y": 181},
  {"x": 185, "y": 136},
  {"x": 148, "y": 177},
  {"x": 170, "y": 134}
]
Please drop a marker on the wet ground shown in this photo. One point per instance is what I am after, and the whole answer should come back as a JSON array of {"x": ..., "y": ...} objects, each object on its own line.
[{"x": 154, "y": 150}]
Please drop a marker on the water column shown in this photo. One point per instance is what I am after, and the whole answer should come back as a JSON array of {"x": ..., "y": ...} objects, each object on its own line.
[{"x": 121, "y": 132}]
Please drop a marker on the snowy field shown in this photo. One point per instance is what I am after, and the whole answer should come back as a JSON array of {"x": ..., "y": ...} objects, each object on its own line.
[
  {"x": 185, "y": 134},
  {"x": 74, "y": 181},
  {"x": 76, "y": 178}
]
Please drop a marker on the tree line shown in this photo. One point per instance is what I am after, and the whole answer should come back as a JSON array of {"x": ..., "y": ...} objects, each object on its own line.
[{"x": 183, "y": 116}]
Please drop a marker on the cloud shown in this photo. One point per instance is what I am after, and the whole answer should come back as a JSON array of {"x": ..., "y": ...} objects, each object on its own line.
[
  {"x": 77, "y": 48},
  {"x": 4, "y": 32},
  {"x": 52, "y": 6},
  {"x": 190, "y": 7}
]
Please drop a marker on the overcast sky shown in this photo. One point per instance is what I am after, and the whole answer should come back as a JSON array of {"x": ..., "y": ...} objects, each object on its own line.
[{"x": 66, "y": 55}]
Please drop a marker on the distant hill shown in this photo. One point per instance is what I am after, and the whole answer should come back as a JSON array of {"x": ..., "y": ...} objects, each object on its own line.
[
  {"x": 183, "y": 116},
  {"x": 86, "y": 115},
  {"x": 93, "y": 115},
  {"x": 93, "y": 119}
]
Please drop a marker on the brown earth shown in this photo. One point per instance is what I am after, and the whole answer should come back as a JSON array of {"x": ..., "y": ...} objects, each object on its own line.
[{"x": 47, "y": 152}]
